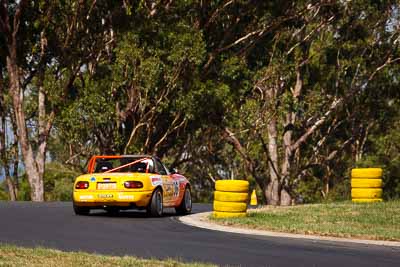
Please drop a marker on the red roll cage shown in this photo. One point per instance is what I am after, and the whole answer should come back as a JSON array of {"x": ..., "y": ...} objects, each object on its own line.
[{"x": 92, "y": 162}]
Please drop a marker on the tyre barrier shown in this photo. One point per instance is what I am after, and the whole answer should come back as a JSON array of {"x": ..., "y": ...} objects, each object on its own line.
[
  {"x": 230, "y": 206},
  {"x": 232, "y": 186},
  {"x": 366, "y": 185},
  {"x": 230, "y": 198},
  {"x": 366, "y": 173},
  {"x": 366, "y": 193}
]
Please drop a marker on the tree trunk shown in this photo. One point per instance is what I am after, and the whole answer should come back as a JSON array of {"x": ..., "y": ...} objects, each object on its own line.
[
  {"x": 12, "y": 191},
  {"x": 34, "y": 165},
  {"x": 43, "y": 135},
  {"x": 273, "y": 188},
  {"x": 3, "y": 141},
  {"x": 4, "y": 159},
  {"x": 15, "y": 153},
  {"x": 34, "y": 177},
  {"x": 286, "y": 199}
]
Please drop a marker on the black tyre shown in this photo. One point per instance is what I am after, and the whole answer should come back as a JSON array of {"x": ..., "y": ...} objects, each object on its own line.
[
  {"x": 155, "y": 207},
  {"x": 186, "y": 205},
  {"x": 81, "y": 210}
]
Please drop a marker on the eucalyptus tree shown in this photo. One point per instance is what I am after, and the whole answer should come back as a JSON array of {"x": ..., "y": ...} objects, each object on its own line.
[
  {"x": 145, "y": 97},
  {"x": 9, "y": 156},
  {"x": 318, "y": 64},
  {"x": 46, "y": 46}
]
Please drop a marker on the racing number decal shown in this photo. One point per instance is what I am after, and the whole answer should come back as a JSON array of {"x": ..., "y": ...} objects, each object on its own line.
[{"x": 169, "y": 188}]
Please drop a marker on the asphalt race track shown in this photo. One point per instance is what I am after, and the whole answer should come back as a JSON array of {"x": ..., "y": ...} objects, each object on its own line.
[{"x": 54, "y": 225}]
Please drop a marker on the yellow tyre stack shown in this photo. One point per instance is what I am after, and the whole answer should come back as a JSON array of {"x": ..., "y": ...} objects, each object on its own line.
[
  {"x": 366, "y": 185},
  {"x": 230, "y": 198}
]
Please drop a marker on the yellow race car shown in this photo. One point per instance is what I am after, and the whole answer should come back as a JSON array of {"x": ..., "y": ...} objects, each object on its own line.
[{"x": 124, "y": 182}]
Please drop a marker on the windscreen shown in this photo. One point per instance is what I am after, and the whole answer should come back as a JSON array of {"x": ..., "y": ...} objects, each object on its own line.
[{"x": 125, "y": 164}]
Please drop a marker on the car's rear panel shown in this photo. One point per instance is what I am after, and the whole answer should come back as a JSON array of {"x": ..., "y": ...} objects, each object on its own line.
[{"x": 109, "y": 189}]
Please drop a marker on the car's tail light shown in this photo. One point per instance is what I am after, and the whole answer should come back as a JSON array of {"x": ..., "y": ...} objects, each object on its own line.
[
  {"x": 82, "y": 185},
  {"x": 133, "y": 184}
]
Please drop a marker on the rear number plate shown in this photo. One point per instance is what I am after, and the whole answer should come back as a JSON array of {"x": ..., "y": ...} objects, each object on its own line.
[
  {"x": 106, "y": 186},
  {"x": 105, "y": 195}
]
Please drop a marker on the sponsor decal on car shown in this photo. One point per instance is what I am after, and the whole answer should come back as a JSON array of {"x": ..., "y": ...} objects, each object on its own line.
[
  {"x": 105, "y": 195},
  {"x": 86, "y": 197},
  {"x": 156, "y": 180},
  {"x": 125, "y": 197}
]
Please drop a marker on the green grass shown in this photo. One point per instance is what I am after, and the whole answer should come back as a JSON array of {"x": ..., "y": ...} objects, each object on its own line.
[
  {"x": 16, "y": 256},
  {"x": 376, "y": 221}
]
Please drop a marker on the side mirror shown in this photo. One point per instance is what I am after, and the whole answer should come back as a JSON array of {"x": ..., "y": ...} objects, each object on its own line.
[{"x": 173, "y": 170}]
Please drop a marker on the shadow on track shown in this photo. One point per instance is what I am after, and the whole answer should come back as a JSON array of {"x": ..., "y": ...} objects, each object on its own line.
[
  {"x": 168, "y": 212},
  {"x": 130, "y": 214}
]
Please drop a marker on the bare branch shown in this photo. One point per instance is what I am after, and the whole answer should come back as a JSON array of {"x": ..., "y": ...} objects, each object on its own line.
[
  {"x": 231, "y": 138},
  {"x": 133, "y": 133},
  {"x": 320, "y": 26},
  {"x": 211, "y": 177},
  {"x": 242, "y": 39},
  {"x": 69, "y": 161},
  {"x": 170, "y": 130},
  {"x": 335, "y": 104},
  {"x": 217, "y": 12},
  {"x": 388, "y": 61}
]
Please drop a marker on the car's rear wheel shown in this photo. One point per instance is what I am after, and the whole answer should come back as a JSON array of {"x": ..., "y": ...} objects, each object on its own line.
[
  {"x": 155, "y": 208},
  {"x": 186, "y": 204},
  {"x": 81, "y": 210}
]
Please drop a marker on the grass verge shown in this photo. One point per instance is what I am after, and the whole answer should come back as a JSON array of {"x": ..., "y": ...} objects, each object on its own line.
[
  {"x": 17, "y": 256},
  {"x": 375, "y": 221}
]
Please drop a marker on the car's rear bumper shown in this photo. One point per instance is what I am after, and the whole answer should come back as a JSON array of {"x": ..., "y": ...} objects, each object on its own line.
[{"x": 111, "y": 198}]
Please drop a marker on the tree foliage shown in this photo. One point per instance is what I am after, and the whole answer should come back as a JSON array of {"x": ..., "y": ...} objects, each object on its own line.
[{"x": 288, "y": 94}]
